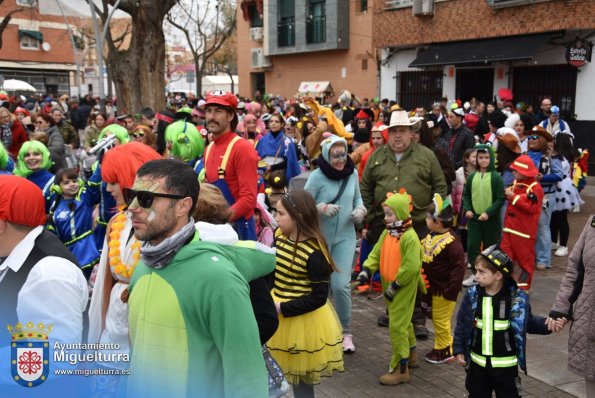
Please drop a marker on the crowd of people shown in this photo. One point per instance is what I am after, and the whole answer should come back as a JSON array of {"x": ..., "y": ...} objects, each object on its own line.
[{"x": 217, "y": 212}]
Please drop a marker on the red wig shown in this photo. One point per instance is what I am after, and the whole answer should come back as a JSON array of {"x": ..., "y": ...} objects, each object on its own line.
[{"x": 121, "y": 163}]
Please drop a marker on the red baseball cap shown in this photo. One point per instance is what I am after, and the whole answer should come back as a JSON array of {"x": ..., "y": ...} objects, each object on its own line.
[{"x": 222, "y": 98}]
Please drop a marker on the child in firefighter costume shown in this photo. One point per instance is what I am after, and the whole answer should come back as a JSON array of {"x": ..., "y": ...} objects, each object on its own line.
[
  {"x": 398, "y": 255},
  {"x": 522, "y": 217}
]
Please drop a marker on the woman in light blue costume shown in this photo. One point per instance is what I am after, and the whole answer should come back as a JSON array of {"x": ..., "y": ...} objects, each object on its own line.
[
  {"x": 33, "y": 163},
  {"x": 278, "y": 150},
  {"x": 97, "y": 189},
  {"x": 72, "y": 218},
  {"x": 335, "y": 187},
  {"x": 185, "y": 143}
]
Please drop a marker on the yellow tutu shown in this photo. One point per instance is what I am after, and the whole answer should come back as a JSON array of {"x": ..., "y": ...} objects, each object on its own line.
[{"x": 308, "y": 346}]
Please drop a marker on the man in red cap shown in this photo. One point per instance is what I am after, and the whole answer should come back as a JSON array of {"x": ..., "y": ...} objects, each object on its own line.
[
  {"x": 39, "y": 279},
  {"x": 231, "y": 162},
  {"x": 525, "y": 197}
]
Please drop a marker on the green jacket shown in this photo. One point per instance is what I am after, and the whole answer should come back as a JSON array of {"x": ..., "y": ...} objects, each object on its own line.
[
  {"x": 71, "y": 137},
  {"x": 192, "y": 327},
  {"x": 418, "y": 172}
]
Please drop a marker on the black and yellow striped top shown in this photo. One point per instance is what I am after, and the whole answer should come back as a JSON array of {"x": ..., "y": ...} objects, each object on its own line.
[{"x": 301, "y": 281}]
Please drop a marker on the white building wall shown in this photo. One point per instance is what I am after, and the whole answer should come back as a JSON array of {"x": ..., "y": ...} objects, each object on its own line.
[
  {"x": 399, "y": 62},
  {"x": 449, "y": 82},
  {"x": 585, "y": 94}
]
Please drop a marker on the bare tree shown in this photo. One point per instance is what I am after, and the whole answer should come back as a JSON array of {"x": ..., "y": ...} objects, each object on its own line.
[
  {"x": 139, "y": 70},
  {"x": 207, "y": 25},
  {"x": 7, "y": 18},
  {"x": 226, "y": 60}
]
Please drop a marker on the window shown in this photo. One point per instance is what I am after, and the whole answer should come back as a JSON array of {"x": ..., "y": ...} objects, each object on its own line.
[
  {"x": 512, "y": 3},
  {"x": 255, "y": 17},
  {"x": 419, "y": 88},
  {"x": 363, "y": 5},
  {"x": 316, "y": 22},
  {"x": 30, "y": 39},
  {"x": 27, "y": 3},
  {"x": 390, "y": 4},
  {"x": 286, "y": 25}
]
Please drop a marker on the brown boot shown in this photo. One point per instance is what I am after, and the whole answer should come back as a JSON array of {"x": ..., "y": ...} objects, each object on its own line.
[
  {"x": 397, "y": 376},
  {"x": 413, "y": 361}
]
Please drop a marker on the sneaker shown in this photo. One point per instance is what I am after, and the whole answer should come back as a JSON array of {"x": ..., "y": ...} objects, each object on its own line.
[
  {"x": 561, "y": 252},
  {"x": 348, "y": 346},
  {"x": 382, "y": 321},
  {"x": 555, "y": 245},
  {"x": 439, "y": 356},
  {"x": 541, "y": 267},
  {"x": 470, "y": 281},
  {"x": 421, "y": 331}
]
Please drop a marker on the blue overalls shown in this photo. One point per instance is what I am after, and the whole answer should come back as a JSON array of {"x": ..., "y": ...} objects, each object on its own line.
[
  {"x": 73, "y": 223},
  {"x": 246, "y": 228}
]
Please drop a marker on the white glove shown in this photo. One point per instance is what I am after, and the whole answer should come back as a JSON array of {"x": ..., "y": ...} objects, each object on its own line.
[
  {"x": 358, "y": 214},
  {"x": 328, "y": 209}
]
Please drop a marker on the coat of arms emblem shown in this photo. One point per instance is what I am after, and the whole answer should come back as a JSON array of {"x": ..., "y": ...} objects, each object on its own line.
[{"x": 30, "y": 357}]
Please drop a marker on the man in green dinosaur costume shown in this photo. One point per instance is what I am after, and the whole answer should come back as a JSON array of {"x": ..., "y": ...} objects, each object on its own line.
[{"x": 192, "y": 327}]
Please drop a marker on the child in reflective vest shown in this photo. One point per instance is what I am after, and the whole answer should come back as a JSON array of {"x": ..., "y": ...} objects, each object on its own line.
[{"x": 492, "y": 324}]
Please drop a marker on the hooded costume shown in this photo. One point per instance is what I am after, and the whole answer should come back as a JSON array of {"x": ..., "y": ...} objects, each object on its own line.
[
  {"x": 370, "y": 150},
  {"x": 324, "y": 184},
  {"x": 484, "y": 193},
  {"x": 521, "y": 220},
  {"x": 277, "y": 146},
  {"x": 398, "y": 256}
]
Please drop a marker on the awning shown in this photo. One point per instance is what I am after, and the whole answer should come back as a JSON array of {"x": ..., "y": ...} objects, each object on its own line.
[
  {"x": 482, "y": 51},
  {"x": 314, "y": 87},
  {"x": 32, "y": 34}
]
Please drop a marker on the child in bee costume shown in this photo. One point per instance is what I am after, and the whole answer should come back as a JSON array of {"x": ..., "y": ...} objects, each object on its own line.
[{"x": 398, "y": 256}]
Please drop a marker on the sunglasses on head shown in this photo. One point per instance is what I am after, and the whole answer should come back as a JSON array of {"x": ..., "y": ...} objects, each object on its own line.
[
  {"x": 533, "y": 137},
  {"x": 138, "y": 134},
  {"x": 145, "y": 198}
]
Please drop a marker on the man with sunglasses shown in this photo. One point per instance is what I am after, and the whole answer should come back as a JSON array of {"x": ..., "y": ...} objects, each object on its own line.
[
  {"x": 231, "y": 162},
  {"x": 192, "y": 327},
  {"x": 550, "y": 173}
]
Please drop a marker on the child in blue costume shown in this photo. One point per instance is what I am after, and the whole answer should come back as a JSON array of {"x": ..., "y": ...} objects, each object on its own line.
[
  {"x": 33, "y": 164},
  {"x": 276, "y": 149},
  {"x": 185, "y": 143},
  {"x": 72, "y": 218},
  {"x": 97, "y": 189}
]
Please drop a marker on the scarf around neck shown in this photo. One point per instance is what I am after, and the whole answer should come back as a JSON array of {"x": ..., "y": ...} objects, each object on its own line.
[
  {"x": 6, "y": 133},
  {"x": 159, "y": 256},
  {"x": 398, "y": 228},
  {"x": 334, "y": 174}
]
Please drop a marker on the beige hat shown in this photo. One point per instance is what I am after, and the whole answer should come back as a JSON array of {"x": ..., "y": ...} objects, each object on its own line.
[{"x": 400, "y": 118}]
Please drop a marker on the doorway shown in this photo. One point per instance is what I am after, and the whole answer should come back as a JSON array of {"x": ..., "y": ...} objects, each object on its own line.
[
  {"x": 478, "y": 83},
  {"x": 258, "y": 83}
]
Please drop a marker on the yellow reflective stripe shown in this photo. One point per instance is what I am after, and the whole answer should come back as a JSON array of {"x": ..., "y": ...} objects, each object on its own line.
[
  {"x": 530, "y": 187},
  {"x": 487, "y": 334},
  {"x": 496, "y": 362},
  {"x": 498, "y": 324},
  {"x": 503, "y": 362},
  {"x": 517, "y": 233},
  {"x": 516, "y": 199},
  {"x": 478, "y": 359}
]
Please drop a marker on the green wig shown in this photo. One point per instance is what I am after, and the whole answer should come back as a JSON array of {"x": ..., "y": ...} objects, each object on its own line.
[
  {"x": 120, "y": 132},
  {"x": 186, "y": 142},
  {"x": 3, "y": 157},
  {"x": 36, "y": 147}
]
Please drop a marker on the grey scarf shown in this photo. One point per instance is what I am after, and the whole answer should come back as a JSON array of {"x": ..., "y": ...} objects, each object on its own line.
[
  {"x": 159, "y": 256},
  {"x": 6, "y": 133}
]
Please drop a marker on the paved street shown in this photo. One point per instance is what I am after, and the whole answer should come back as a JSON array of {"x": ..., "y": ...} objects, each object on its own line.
[{"x": 547, "y": 355}]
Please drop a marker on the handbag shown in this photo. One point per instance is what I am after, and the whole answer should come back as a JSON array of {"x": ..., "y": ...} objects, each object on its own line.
[{"x": 278, "y": 385}]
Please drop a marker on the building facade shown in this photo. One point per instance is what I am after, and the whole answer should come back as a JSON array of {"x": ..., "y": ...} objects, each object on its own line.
[{"x": 285, "y": 44}]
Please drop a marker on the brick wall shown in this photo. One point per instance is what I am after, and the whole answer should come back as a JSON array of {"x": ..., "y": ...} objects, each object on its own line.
[
  {"x": 289, "y": 70},
  {"x": 473, "y": 19}
]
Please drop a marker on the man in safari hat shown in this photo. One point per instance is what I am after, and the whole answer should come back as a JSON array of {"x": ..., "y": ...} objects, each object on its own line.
[{"x": 401, "y": 163}]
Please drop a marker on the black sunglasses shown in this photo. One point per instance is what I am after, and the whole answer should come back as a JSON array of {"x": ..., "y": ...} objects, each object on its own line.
[{"x": 145, "y": 198}]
